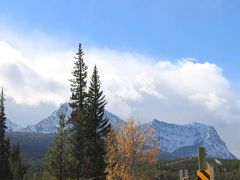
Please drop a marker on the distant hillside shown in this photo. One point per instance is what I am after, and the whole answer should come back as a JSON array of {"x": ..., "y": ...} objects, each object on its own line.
[{"x": 33, "y": 145}]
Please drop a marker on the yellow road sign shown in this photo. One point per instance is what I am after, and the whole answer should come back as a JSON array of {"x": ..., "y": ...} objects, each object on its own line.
[{"x": 203, "y": 175}]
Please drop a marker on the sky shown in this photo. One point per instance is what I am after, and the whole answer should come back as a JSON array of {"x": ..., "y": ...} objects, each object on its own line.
[{"x": 172, "y": 60}]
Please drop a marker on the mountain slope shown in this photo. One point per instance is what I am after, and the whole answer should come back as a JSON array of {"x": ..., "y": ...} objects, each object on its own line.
[
  {"x": 184, "y": 140},
  {"x": 11, "y": 126},
  {"x": 33, "y": 145}
]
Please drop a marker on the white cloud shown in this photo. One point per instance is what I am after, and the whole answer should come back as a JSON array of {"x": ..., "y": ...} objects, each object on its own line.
[
  {"x": 27, "y": 81},
  {"x": 129, "y": 81},
  {"x": 134, "y": 84},
  {"x": 133, "y": 78}
]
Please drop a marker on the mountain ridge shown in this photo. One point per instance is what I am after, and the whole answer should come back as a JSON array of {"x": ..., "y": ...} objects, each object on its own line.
[
  {"x": 175, "y": 140},
  {"x": 180, "y": 139}
]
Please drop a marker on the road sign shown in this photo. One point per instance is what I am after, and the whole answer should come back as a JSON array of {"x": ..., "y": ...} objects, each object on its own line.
[{"x": 203, "y": 175}]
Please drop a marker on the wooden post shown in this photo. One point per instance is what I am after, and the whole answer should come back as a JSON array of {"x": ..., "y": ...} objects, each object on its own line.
[
  {"x": 186, "y": 174},
  {"x": 181, "y": 174},
  {"x": 203, "y": 173},
  {"x": 211, "y": 170},
  {"x": 202, "y": 159}
]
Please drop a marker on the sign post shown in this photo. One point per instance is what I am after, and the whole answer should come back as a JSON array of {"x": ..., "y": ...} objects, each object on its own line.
[{"x": 203, "y": 172}]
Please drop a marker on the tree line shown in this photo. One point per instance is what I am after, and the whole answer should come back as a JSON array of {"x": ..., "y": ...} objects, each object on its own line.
[
  {"x": 10, "y": 158},
  {"x": 86, "y": 146}
]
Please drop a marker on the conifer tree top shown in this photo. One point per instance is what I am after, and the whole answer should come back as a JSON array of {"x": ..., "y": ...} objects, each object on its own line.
[
  {"x": 2, "y": 113},
  {"x": 79, "y": 82}
]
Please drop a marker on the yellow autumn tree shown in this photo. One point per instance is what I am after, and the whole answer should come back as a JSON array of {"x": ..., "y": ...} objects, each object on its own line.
[
  {"x": 113, "y": 160},
  {"x": 132, "y": 152}
]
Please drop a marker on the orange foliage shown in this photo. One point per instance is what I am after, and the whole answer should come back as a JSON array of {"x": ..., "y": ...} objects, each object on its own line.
[{"x": 131, "y": 151}]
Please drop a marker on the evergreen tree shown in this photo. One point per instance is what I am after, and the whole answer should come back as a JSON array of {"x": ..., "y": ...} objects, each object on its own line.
[
  {"x": 78, "y": 118},
  {"x": 58, "y": 157},
  {"x": 98, "y": 127},
  {"x": 4, "y": 143},
  {"x": 16, "y": 163}
]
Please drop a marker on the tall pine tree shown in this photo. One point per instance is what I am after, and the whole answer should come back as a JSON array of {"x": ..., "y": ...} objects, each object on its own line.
[
  {"x": 78, "y": 118},
  {"x": 98, "y": 127},
  {"x": 4, "y": 143}
]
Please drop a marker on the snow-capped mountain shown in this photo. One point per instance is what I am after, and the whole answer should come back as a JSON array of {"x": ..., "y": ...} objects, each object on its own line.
[
  {"x": 50, "y": 124},
  {"x": 175, "y": 140},
  {"x": 11, "y": 126},
  {"x": 184, "y": 140}
]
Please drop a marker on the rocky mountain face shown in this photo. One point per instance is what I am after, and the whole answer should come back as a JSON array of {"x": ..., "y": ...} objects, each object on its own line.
[
  {"x": 175, "y": 140},
  {"x": 184, "y": 140},
  {"x": 12, "y": 127},
  {"x": 50, "y": 124}
]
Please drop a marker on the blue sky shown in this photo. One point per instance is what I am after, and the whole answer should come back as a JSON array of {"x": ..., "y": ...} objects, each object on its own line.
[
  {"x": 202, "y": 29},
  {"x": 162, "y": 47}
]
